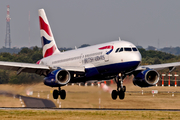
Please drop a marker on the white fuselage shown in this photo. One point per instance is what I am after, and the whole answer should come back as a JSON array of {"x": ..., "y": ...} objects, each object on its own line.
[{"x": 92, "y": 56}]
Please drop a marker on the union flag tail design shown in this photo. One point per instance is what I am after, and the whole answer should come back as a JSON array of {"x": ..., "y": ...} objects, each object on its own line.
[{"x": 47, "y": 39}]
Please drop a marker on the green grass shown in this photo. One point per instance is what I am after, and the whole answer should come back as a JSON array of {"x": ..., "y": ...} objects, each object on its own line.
[{"x": 87, "y": 115}]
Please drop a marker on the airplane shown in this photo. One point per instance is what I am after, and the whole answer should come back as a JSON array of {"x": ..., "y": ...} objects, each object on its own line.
[{"x": 111, "y": 60}]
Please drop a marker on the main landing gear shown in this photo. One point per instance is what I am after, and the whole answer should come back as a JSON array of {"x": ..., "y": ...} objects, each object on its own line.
[
  {"x": 120, "y": 88},
  {"x": 62, "y": 94}
]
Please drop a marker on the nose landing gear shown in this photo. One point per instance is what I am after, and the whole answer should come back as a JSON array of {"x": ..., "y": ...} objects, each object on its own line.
[{"x": 120, "y": 88}]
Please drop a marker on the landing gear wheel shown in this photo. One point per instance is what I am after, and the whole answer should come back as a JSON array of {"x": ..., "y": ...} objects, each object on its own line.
[
  {"x": 55, "y": 94},
  {"x": 121, "y": 94},
  {"x": 120, "y": 88},
  {"x": 114, "y": 94},
  {"x": 124, "y": 88},
  {"x": 62, "y": 94}
]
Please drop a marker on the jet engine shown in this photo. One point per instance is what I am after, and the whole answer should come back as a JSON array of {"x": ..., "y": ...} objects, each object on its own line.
[
  {"x": 59, "y": 77},
  {"x": 146, "y": 78}
]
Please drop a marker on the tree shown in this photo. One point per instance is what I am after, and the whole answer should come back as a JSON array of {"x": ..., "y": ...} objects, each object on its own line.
[
  {"x": 157, "y": 61},
  {"x": 4, "y": 77},
  {"x": 25, "y": 50},
  {"x": 151, "y": 48},
  {"x": 84, "y": 45}
]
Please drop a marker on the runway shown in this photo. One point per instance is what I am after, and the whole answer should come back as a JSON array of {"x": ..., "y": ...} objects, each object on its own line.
[
  {"x": 84, "y": 109},
  {"x": 31, "y": 102},
  {"x": 37, "y": 102}
]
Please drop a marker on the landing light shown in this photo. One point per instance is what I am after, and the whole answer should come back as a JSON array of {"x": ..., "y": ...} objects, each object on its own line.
[{"x": 74, "y": 75}]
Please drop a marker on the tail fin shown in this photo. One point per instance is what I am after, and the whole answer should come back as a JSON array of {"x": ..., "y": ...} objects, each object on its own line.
[{"x": 48, "y": 43}]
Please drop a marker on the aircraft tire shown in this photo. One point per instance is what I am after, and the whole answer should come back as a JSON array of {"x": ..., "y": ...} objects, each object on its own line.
[
  {"x": 55, "y": 94},
  {"x": 124, "y": 88},
  {"x": 114, "y": 94},
  {"x": 63, "y": 94},
  {"x": 121, "y": 94}
]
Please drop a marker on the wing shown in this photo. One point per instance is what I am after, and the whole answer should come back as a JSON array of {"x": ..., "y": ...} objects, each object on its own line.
[
  {"x": 25, "y": 67},
  {"x": 171, "y": 66},
  {"x": 34, "y": 68}
]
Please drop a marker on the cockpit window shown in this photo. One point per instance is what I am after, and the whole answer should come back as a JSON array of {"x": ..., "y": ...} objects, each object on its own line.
[
  {"x": 117, "y": 50},
  {"x": 121, "y": 50},
  {"x": 127, "y": 49},
  {"x": 134, "y": 49}
]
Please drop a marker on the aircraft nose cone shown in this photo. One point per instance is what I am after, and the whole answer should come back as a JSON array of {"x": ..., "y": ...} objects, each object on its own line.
[{"x": 137, "y": 56}]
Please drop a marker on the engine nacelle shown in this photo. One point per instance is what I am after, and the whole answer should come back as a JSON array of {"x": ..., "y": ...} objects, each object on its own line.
[
  {"x": 146, "y": 78},
  {"x": 59, "y": 77}
]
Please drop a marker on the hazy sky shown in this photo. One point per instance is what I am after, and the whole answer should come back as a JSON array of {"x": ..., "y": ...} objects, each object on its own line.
[{"x": 75, "y": 22}]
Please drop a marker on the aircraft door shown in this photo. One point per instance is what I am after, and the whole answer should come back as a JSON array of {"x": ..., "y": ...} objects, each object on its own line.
[
  {"x": 81, "y": 59},
  {"x": 106, "y": 56}
]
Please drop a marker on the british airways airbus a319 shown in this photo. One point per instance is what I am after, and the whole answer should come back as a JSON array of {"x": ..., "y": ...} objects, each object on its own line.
[{"x": 112, "y": 60}]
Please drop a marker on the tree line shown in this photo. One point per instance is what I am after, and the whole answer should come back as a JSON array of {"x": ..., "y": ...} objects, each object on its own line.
[{"x": 32, "y": 55}]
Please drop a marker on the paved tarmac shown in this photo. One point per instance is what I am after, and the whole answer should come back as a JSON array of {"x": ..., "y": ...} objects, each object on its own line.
[
  {"x": 37, "y": 102},
  {"x": 31, "y": 102}
]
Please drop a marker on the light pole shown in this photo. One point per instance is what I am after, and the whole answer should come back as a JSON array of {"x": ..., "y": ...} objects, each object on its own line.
[
  {"x": 163, "y": 79},
  {"x": 169, "y": 83},
  {"x": 175, "y": 79}
]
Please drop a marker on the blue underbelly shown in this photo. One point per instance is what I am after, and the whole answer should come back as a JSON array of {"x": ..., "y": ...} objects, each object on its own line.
[{"x": 118, "y": 67}]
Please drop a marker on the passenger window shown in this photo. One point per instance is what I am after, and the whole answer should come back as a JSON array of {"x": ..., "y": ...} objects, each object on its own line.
[
  {"x": 134, "y": 49},
  {"x": 127, "y": 49},
  {"x": 121, "y": 50},
  {"x": 117, "y": 50}
]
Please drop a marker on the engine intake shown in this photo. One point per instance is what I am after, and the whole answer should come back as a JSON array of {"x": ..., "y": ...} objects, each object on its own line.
[
  {"x": 146, "y": 78},
  {"x": 58, "y": 77},
  {"x": 62, "y": 77},
  {"x": 152, "y": 77}
]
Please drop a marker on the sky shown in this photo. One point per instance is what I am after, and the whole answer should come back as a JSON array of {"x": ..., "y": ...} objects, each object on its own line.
[{"x": 77, "y": 22}]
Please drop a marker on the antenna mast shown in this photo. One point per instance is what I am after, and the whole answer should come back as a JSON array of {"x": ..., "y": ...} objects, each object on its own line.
[
  {"x": 29, "y": 30},
  {"x": 8, "y": 37}
]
